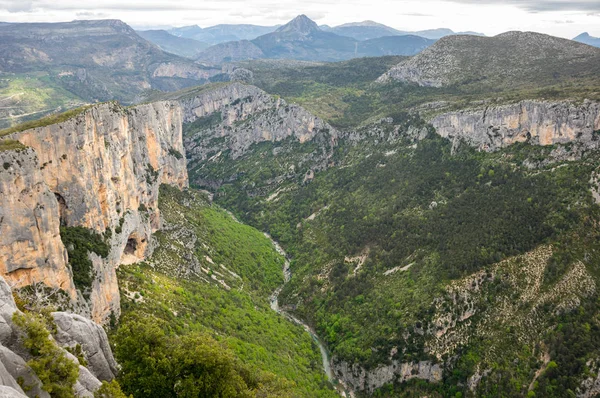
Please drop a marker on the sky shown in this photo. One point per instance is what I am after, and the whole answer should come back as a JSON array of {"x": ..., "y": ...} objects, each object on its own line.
[{"x": 564, "y": 18}]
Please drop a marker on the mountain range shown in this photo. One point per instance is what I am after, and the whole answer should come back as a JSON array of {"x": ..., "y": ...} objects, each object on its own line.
[
  {"x": 222, "y": 33},
  {"x": 357, "y": 30},
  {"x": 302, "y": 39}
]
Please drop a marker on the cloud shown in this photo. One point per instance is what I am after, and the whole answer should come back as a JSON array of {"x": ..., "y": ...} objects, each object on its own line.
[
  {"x": 16, "y": 6},
  {"x": 592, "y": 6}
]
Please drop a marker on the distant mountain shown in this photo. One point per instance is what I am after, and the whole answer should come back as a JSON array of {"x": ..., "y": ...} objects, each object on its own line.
[
  {"x": 184, "y": 47},
  {"x": 61, "y": 65},
  {"x": 506, "y": 60},
  {"x": 366, "y": 30},
  {"x": 393, "y": 45},
  {"x": 302, "y": 39},
  {"x": 222, "y": 33},
  {"x": 587, "y": 39},
  {"x": 371, "y": 30}
]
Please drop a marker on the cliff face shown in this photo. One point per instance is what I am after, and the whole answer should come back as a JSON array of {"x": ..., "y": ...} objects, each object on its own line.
[
  {"x": 32, "y": 250},
  {"x": 539, "y": 122},
  {"x": 100, "y": 170},
  {"x": 234, "y": 117},
  {"x": 359, "y": 379}
]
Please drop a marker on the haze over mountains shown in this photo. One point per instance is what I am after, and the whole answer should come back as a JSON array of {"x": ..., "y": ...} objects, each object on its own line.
[{"x": 302, "y": 39}]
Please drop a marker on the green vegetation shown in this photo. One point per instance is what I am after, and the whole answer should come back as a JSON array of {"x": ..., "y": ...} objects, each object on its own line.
[
  {"x": 110, "y": 389},
  {"x": 375, "y": 239},
  {"x": 79, "y": 242},
  {"x": 345, "y": 95},
  {"x": 10, "y": 145},
  {"x": 57, "y": 373},
  {"x": 31, "y": 96},
  {"x": 192, "y": 365},
  {"x": 207, "y": 286},
  {"x": 46, "y": 121}
]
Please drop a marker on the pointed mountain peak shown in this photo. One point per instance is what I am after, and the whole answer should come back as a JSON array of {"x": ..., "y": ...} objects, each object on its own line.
[
  {"x": 584, "y": 35},
  {"x": 300, "y": 24}
]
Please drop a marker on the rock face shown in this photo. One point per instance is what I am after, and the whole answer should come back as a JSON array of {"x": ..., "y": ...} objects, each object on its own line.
[
  {"x": 73, "y": 330},
  {"x": 360, "y": 379},
  {"x": 236, "y": 116},
  {"x": 32, "y": 250},
  {"x": 100, "y": 170},
  {"x": 539, "y": 122},
  {"x": 13, "y": 356}
]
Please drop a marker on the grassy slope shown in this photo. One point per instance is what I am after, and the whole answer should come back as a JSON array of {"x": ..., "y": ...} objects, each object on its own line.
[
  {"x": 31, "y": 96},
  {"x": 241, "y": 316}
]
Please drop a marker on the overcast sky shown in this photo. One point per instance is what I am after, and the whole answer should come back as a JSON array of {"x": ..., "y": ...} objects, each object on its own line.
[{"x": 565, "y": 18}]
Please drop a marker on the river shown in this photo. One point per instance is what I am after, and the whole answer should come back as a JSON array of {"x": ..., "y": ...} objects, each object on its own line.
[{"x": 287, "y": 275}]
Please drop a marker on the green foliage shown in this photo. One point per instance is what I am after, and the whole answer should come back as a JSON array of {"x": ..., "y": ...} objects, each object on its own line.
[
  {"x": 181, "y": 303},
  {"x": 435, "y": 212},
  {"x": 194, "y": 365},
  {"x": 204, "y": 122},
  {"x": 79, "y": 242},
  {"x": 10, "y": 145},
  {"x": 110, "y": 389},
  {"x": 57, "y": 373},
  {"x": 175, "y": 153}
]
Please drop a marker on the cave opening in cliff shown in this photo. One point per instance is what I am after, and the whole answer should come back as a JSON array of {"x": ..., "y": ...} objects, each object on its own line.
[
  {"x": 131, "y": 246},
  {"x": 62, "y": 209}
]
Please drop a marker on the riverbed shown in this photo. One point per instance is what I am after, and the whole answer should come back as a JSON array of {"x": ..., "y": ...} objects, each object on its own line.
[{"x": 287, "y": 275}]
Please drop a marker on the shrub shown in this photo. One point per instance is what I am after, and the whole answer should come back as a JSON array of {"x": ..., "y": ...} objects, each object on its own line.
[
  {"x": 79, "y": 242},
  {"x": 56, "y": 371}
]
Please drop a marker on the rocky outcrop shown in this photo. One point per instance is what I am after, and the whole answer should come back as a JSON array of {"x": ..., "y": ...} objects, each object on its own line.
[
  {"x": 73, "y": 330},
  {"x": 100, "y": 170},
  {"x": 14, "y": 371},
  {"x": 359, "y": 379},
  {"x": 537, "y": 122},
  {"x": 241, "y": 116}
]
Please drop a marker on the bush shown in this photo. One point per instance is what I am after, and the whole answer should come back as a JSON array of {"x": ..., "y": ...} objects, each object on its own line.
[
  {"x": 57, "y": 372},
  {"x": 110, "y": 389},
  {"x": 79, "y": 242}
]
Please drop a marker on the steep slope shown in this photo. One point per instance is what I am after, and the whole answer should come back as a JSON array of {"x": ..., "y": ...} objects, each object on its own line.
[
  {"x": 91, "y": 60},
  {"x": 188, "y": 48},
  {"x": 587, "y": 39},
  {"x": 417, "y": 258},
  {"x": 302, "y": 39},
  {"x": 99, "y": 170},
  {"x": 510, "y": 59},
  {"x": 212, "y": 274}
]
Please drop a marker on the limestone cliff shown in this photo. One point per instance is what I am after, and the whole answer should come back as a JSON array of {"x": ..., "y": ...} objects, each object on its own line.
[
  {"x": 359, "y": 379},
  {"x": 232, "y": 118},
  {"x": 538, "y": 122},
  {"x": 100, "y": 170}
]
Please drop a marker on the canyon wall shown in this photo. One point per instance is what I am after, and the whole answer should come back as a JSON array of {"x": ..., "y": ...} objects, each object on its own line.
[
  {"x": 100, "y": 170},
  {"x": 538, "y": 122},
  {"x": 235, "y": 116}
]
